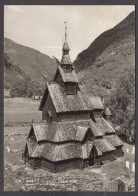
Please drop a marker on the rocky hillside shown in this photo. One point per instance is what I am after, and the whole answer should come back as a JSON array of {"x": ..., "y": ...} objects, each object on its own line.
[
  {"x": 108, "y": 58},
  {"x": 31, "y": 62},
  {"x": 12, "y": 73}
]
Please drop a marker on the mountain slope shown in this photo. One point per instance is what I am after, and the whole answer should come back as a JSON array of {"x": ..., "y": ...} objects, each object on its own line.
[
  {"x": 12, "y": 73},
  {"x": 32, "y": 62},
  {"x": 107, "y": 59}
]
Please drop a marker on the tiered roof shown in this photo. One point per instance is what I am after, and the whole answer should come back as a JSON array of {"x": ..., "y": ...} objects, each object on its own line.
[
  {"x": 57, "y": 141},
  {"x": 59, "y": 152},
  {"x": 104, "y": 126},
  {"x": 62, "y": 133}
]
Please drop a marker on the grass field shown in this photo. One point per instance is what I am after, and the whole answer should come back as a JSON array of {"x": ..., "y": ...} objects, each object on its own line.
[{"x": 21, "y": 112}]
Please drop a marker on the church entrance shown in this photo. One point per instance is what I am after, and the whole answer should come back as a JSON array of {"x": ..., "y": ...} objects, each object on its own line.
[{"x": 91, "y": 158}]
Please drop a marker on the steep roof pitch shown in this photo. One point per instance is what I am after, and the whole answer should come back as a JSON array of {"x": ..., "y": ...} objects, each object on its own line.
[
  {"x": 103, "y": 146},
  {"x": 114, "y": 140},
  {"x": 95, "y": 130},
  {"x": 69, "y": 130},
  {"x": 41, "y": 131},
  {"x": 104, "y": 126},
  {"x": 86, "y": 149},
  {"x": 68, "y": 77},
  {"x": 97, "y": 102},
  {"x": 107, "y": 112},
  {"x": 61, "y": 152},
  {"x": 80, "y": 132},
  {"x": 43, "y": 100},
  {"x": 60, "y": 132},
  {"x": 31, "y": 145},
  {"x": 66, "y": 60},
  {"x": 67, "y": 103}
]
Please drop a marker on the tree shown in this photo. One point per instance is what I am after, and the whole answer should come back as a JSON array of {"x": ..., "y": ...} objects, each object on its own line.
[
  {"x": 21, "y": 89},
  {"x": 122, "y": 103}
]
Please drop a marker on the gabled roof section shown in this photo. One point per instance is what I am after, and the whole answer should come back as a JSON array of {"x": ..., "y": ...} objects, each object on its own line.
[
  {"x": 65, "y": 103},
  {"x": 31, "y": 145},
  {"x": 114, "y": 140},
  {"x": 43, "y": 100},
  {"x": 104, "y": 126},
  {"x": 97, "y": 102},
  {"x": 80, "y": 132},
  {"x": 86, "y": 149},
  {"x": 102, "y": 145},
  {"x": 60, "y": 132},
  {"x": 41, "y": 131},
  {"x": 68, "y": 77},
  {"x": 61, "y": 152},
  {"x": 95, "y": 130},
  {"x": 107, "y": 112}
]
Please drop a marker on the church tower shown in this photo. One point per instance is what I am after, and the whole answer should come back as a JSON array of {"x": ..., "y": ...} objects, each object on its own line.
[{"x": 65, "y": 72}]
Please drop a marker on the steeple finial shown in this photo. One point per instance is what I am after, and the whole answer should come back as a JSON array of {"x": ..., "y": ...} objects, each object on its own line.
[{"x": 65, "y": 31}]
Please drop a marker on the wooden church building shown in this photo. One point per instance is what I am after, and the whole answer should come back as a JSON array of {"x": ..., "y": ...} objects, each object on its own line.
[{"x": 75, "y": 131}]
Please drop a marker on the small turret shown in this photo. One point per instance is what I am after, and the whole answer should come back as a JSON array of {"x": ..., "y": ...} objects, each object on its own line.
[
  {"x": 107, "y": 114},
  {"x": 65, "y": 56}
]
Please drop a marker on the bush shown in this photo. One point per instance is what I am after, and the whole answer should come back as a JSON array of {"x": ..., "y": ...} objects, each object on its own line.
[
  {"x": 26, "y": 89},
  {"x": 21, "y": 89},
  {"x": 122, "y": 103}
]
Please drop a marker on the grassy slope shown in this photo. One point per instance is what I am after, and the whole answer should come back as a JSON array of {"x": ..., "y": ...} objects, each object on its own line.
[
  {"x": 106, "y": 60},
  {"x": 12, "y": 73},
  {"x": 32, "y": 62}
]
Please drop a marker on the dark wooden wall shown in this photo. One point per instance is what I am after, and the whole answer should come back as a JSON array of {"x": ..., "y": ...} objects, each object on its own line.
[
  {"x": 97, "y": 113},
  {"x": 107, "y": 156},
  {"x": 49, "y": 106},
  {"x": 58, "y": 78},
  {"x": 72, "y": 116},
  {"x": 118, "y": 151},
  {"x": 70, "y": 165}
]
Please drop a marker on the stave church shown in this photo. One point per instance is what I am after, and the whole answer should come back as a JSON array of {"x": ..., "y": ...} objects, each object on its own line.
[{"x": 75, "y": 130}]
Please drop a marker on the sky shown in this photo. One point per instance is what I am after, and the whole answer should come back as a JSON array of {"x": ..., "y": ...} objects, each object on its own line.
[{"x": 42, "y": 27}]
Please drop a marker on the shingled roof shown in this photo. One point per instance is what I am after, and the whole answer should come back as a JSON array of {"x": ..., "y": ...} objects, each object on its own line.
[
  {"x": 41, "y": 131},
  {"x": 61, "y": 132},
  {"x": 61, "y": 152},
  {"x": 114, "y": 140},
  {"x": 103, "y": 146},
  {"x": 70, "y": 130},
  {"x": 66, "y": 60},
  {"x": 95, "y": 130},
  {"x": 97, "y": 102},
  {"x": 68, "y": 76},
  {"x": 107, "y": 112},
  {"x": 104, "y": 126},
  {"x": 43, "y": 100},
  {"x": 65, "y": 103},
  {"x": 86, "y": 149}
]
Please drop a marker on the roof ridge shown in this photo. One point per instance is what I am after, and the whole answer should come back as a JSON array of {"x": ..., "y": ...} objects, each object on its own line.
[
  {"x": 34, "y": 151},
  {"x": 52, "y": 98},
  {"x": 108, "y": 124},
  {"x": 118, "y": 138},
  {"x": 97, "y": 127},
  {"x": 109, "y": 144}
]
